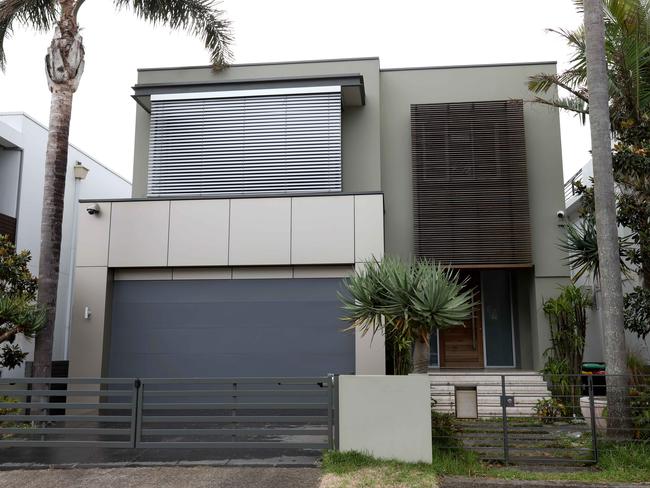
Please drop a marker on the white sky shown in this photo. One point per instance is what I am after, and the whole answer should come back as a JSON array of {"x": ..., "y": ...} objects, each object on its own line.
[{"x": 403, "y": 33}]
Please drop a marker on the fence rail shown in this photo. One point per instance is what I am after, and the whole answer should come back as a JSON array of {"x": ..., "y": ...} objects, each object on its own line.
[{"x": 168, "y": 413}]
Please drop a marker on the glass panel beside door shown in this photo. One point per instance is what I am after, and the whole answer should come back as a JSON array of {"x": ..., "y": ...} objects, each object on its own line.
[{"x": 498, "y": 318}]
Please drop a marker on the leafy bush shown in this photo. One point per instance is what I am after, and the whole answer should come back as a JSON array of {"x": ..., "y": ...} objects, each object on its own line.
[
  {"x": 444, "y": 432},
  {"x": 567, "y": 317},
  {"x": 550, "y": 410},
  {"x": 640, "y": 411},
  {"x": 637, "y": 312}
]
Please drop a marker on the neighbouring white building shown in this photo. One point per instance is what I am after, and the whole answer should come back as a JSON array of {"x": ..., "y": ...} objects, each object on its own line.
[
  {"x": 23, "y": 143},
  {"x": 594, "y": 344}
]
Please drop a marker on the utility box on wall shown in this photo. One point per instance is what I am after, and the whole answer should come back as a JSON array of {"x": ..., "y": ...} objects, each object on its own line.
[{"x": 388, "y": 417}]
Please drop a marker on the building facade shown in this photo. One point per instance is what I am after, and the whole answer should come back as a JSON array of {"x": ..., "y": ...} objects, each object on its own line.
[
  {"x": 258, "y": 188},
  {"x": 23, "y": 142}
]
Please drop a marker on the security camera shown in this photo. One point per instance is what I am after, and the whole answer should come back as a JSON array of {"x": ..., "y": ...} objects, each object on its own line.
[
  {"x": 560, "y": 214},
  {"x": 93, "y": 209}
]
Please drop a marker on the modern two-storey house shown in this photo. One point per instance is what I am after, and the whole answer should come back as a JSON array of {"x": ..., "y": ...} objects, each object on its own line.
[{"x": 256, "y": 189}]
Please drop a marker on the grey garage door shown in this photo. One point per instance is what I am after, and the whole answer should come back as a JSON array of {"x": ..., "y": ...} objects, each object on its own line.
[{"x": 216, "y": 328}]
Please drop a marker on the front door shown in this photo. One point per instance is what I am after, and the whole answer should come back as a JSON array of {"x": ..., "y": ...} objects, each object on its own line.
[{"x": 462, "y": 347}]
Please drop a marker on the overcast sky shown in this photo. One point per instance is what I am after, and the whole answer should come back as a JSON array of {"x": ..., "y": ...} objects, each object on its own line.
[{"x": 403, "y": 33}]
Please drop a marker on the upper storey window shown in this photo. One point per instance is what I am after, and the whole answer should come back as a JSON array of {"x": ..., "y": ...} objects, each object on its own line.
[{"x": 247, "y": 141}]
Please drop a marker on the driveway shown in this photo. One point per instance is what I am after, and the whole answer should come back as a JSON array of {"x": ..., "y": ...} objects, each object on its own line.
[{"x": 163, "y": 477}]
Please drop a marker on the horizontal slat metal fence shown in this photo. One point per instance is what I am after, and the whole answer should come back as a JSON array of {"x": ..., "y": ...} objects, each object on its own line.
[
  {"x": 92, "y": 412},
  {"x": 236, "y": 412},
  {"x": 169, "y": 413}
]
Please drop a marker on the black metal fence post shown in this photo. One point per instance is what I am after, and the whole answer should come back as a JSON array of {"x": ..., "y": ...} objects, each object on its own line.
[
  {"x": 592, "y": 416},
  {"x": 330, "y": 411},
  {"x": 136, "y": 413},
  {"x": 504, "y": 414}
]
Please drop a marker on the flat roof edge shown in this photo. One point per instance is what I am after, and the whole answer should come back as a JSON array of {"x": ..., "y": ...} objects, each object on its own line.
[
  {"x": 461, "y": 66},
  {"x": 272, "y": 63},
  {"x": 232, "y": 196}
]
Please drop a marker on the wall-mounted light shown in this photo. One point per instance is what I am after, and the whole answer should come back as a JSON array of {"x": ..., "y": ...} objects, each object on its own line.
[{"x": 80, "y": 171}]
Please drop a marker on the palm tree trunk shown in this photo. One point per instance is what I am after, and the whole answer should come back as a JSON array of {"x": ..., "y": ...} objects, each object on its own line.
[
  {"x": 421, "y": 357},
  {"x": 56, "y": 163},
  {"x": 618, "y": 418},
  {"x": 64, "y": 67}
]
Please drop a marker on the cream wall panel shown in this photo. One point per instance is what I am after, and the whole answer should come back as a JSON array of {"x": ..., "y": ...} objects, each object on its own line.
[
  {"x": 253, "y": 273},
  {"x": 369, "y": 350},
  {"x": 260, "y": 231},
  {"x": 87, "y": 335},
  {"x": 142, "y": 274},
  {"x": 368, "y": 227},
  {"x": 198, "y": 233},
  {"x": 139, "y": 234},
  {"x": 367, "y": 420},
  {"x": 322, "y": 230},
  {"x": 202, "y": 273},
  {"x": 92, "y": 235},
  {"x": 322, "y": 271}
]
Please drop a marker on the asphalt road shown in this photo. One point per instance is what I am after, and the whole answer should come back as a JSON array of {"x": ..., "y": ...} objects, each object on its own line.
[{"x": 163, "y": 477}]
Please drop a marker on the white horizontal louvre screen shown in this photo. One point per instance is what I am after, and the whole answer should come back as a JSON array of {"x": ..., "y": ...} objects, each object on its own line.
[{"x": 254, "y": 144}]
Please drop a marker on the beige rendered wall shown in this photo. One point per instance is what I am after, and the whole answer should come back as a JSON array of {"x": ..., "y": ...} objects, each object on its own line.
[
  {"x": 401, "y": 88},
  {"x": 360, "y": 125},
  {"x": 153, "y": 240},
  {"x": 368, "y": 421}
]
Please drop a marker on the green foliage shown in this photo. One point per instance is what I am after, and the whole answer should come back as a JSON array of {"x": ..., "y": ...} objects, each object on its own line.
[
  {"x": 444, "y": 431},
  {"x": 405, "y": 301},
  {"x": 640, "y": 411},
  {"x": 627, "y": 49},
  {"x": 567, "y": 316},
  {"x": 550, "y": 410},
  {"x": 637, "y": 312},
  {"x": 19, "y": 313},
  {"x": 201, "y": 18}
]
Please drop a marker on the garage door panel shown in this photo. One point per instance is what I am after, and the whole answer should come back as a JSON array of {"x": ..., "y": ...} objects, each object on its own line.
[{"x": 229, "y": 328}]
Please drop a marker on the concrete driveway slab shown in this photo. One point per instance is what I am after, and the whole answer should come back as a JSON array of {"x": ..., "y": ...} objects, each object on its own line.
[{"x": 163, "y": 477}]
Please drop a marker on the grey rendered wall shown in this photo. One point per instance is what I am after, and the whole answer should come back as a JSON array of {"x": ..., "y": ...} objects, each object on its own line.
[
  {"x": 361, "y": 125},
  {"x": 401, "y": 88}
]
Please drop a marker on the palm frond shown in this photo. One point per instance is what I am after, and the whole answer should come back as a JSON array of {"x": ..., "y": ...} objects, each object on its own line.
[
  {"x": 570, "y": 104},
  {"x": 37, "y": 14},
  {"x": 201, "y": 18}
]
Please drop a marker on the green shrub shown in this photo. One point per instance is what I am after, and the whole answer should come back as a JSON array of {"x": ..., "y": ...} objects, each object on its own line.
[
  {"x": 550, "y": 410},
  {"x": 444, "y": 432}
]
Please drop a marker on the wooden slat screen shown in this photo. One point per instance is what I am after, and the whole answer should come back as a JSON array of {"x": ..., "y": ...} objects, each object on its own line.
[
  {"x": 8, "y": 226},
  {"x": 470, "y": 183}
]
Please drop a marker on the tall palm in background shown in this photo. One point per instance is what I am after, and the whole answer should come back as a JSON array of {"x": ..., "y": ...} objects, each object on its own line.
[
  {"x": 606, "y": 227},
  {"x": 627, "y": 52},
  {"x": 64, "y": 65}
]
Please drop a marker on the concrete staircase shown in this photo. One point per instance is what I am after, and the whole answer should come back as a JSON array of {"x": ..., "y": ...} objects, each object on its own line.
[{"x": 526, "y": 388}]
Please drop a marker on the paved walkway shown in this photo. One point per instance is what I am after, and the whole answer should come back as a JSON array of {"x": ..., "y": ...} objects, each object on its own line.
[{"x": 163, "y": 477}]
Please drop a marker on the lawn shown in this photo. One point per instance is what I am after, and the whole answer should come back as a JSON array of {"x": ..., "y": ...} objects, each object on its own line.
[{"x": 623, "y": 464}]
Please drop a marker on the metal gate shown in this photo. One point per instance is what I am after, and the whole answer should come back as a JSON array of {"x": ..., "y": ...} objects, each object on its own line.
[{"x": 169, "y": 413}]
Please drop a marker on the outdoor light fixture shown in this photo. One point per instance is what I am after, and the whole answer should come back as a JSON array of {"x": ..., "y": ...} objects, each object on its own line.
[{"x": 80, "y": 171}]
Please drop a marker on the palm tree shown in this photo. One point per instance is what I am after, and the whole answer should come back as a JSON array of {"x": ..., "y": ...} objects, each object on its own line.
[
  {"x": 406, "y": 301},
  {"x": 64, "y": 65},
  {"x": 606, "y": 225},
  {"x": 627, "y": 52}
]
